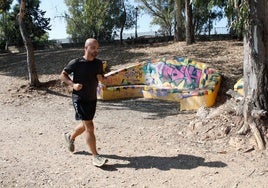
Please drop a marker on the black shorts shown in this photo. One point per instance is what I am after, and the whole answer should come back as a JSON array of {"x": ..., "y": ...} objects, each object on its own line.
[{"x": 84, "y": 110}]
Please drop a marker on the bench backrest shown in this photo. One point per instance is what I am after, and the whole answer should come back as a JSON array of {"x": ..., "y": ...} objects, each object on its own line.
[
  {"x": 132, "y": 75},
  {"x": 178, "y": 73},
  {"x": 173, "y": 72}
]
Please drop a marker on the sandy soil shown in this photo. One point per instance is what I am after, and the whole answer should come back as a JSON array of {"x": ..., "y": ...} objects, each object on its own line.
[{"x": 149, "y": 143}]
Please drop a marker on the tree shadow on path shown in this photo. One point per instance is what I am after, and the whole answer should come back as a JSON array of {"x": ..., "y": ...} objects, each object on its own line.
[
  {"x": 157, "y": 109},
  {"x": 182, "y": 161}
]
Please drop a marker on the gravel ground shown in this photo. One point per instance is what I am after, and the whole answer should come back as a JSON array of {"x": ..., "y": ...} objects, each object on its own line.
[{"x": 148, "y": 143}]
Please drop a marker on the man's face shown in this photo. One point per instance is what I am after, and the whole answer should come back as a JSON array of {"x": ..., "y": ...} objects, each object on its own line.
[{"x": 92, "y": 49}]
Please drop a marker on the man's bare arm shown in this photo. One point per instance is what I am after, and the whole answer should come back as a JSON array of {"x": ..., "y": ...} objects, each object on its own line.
[{"x": 64, "y": 76}]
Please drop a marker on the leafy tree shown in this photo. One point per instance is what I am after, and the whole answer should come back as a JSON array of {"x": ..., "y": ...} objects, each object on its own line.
[
  {"x": 33, "y": 77},
  {"x": 6, "y": 25},
  {"x": 202, "y": 14},
  {"x": 86, "y": 18},
  {"x": 237, "y": 14},
  {"x": 5, "y": 5},
  {"x": 35, "y": 24},
  {"x": 205, "y": 12},
  {"x": 97, "y": 18},
  {"x": 122, "y": 15},
  {"x": 31, "y": 24},
  {"x": 162, "y": 12}
]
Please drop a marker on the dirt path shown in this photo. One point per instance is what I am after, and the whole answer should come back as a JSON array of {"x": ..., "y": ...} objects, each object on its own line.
[
  {"x": 148, "y": 143},
  {"x": 146, "y": 148}
]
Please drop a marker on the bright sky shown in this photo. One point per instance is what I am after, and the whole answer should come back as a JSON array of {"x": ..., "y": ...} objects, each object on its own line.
[{"x": 54, "y": 9}]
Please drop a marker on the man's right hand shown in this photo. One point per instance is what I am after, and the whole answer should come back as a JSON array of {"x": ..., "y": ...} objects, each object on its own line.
[{"x": 77, "y": 86}]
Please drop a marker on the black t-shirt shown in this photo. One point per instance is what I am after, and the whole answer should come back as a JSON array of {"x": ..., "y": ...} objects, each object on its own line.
[{"x": 85, "y": 72}]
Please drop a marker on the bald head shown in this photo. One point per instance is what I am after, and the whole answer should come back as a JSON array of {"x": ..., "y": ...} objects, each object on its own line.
[
  {"x": 91, "y": 49},
  {"x": 90, "y": 41}
]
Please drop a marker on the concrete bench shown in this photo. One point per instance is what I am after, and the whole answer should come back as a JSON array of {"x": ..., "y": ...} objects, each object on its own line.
[
  {"x": 192, "y": 84},
  {"x": 239, "y": 86}
]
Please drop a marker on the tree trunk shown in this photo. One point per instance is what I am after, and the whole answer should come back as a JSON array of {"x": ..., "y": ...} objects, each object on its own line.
[
  {"x": 256, "y": 70},
  {"x": 179, "y": 19},
  {"x": 189, "y": 23},
  {"x": 124, "y": 19},
  {"x": 33, "y": 77},
  {"x": 6, "y": 46}
]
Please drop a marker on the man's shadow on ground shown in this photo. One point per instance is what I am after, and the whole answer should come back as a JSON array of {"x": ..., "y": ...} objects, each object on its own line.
[{"x": 181, "y": 161}]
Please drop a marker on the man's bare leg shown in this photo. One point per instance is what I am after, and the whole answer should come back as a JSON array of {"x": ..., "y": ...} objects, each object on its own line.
[
  {"x": 90, "y": 136},
  {"x": 79, "y": 129},
  {"x": 91, "y": 142}
]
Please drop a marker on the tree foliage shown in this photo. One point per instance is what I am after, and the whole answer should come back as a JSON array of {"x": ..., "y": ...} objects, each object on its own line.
[
  {"x": 85, "y": 18},
  {"x": 162, "y": 12},
  {"x": 5, "y": 5},
  {"x": 35, "y": 23},
  {"x": 205, "y": 12},
  {"x": 237, "y": 13},
  {"x": 121, "y": 15},
  {"x": 167, "y": 17},
  {"x": 6, "y": 25},
  {"x": 97, "y": 18}
]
